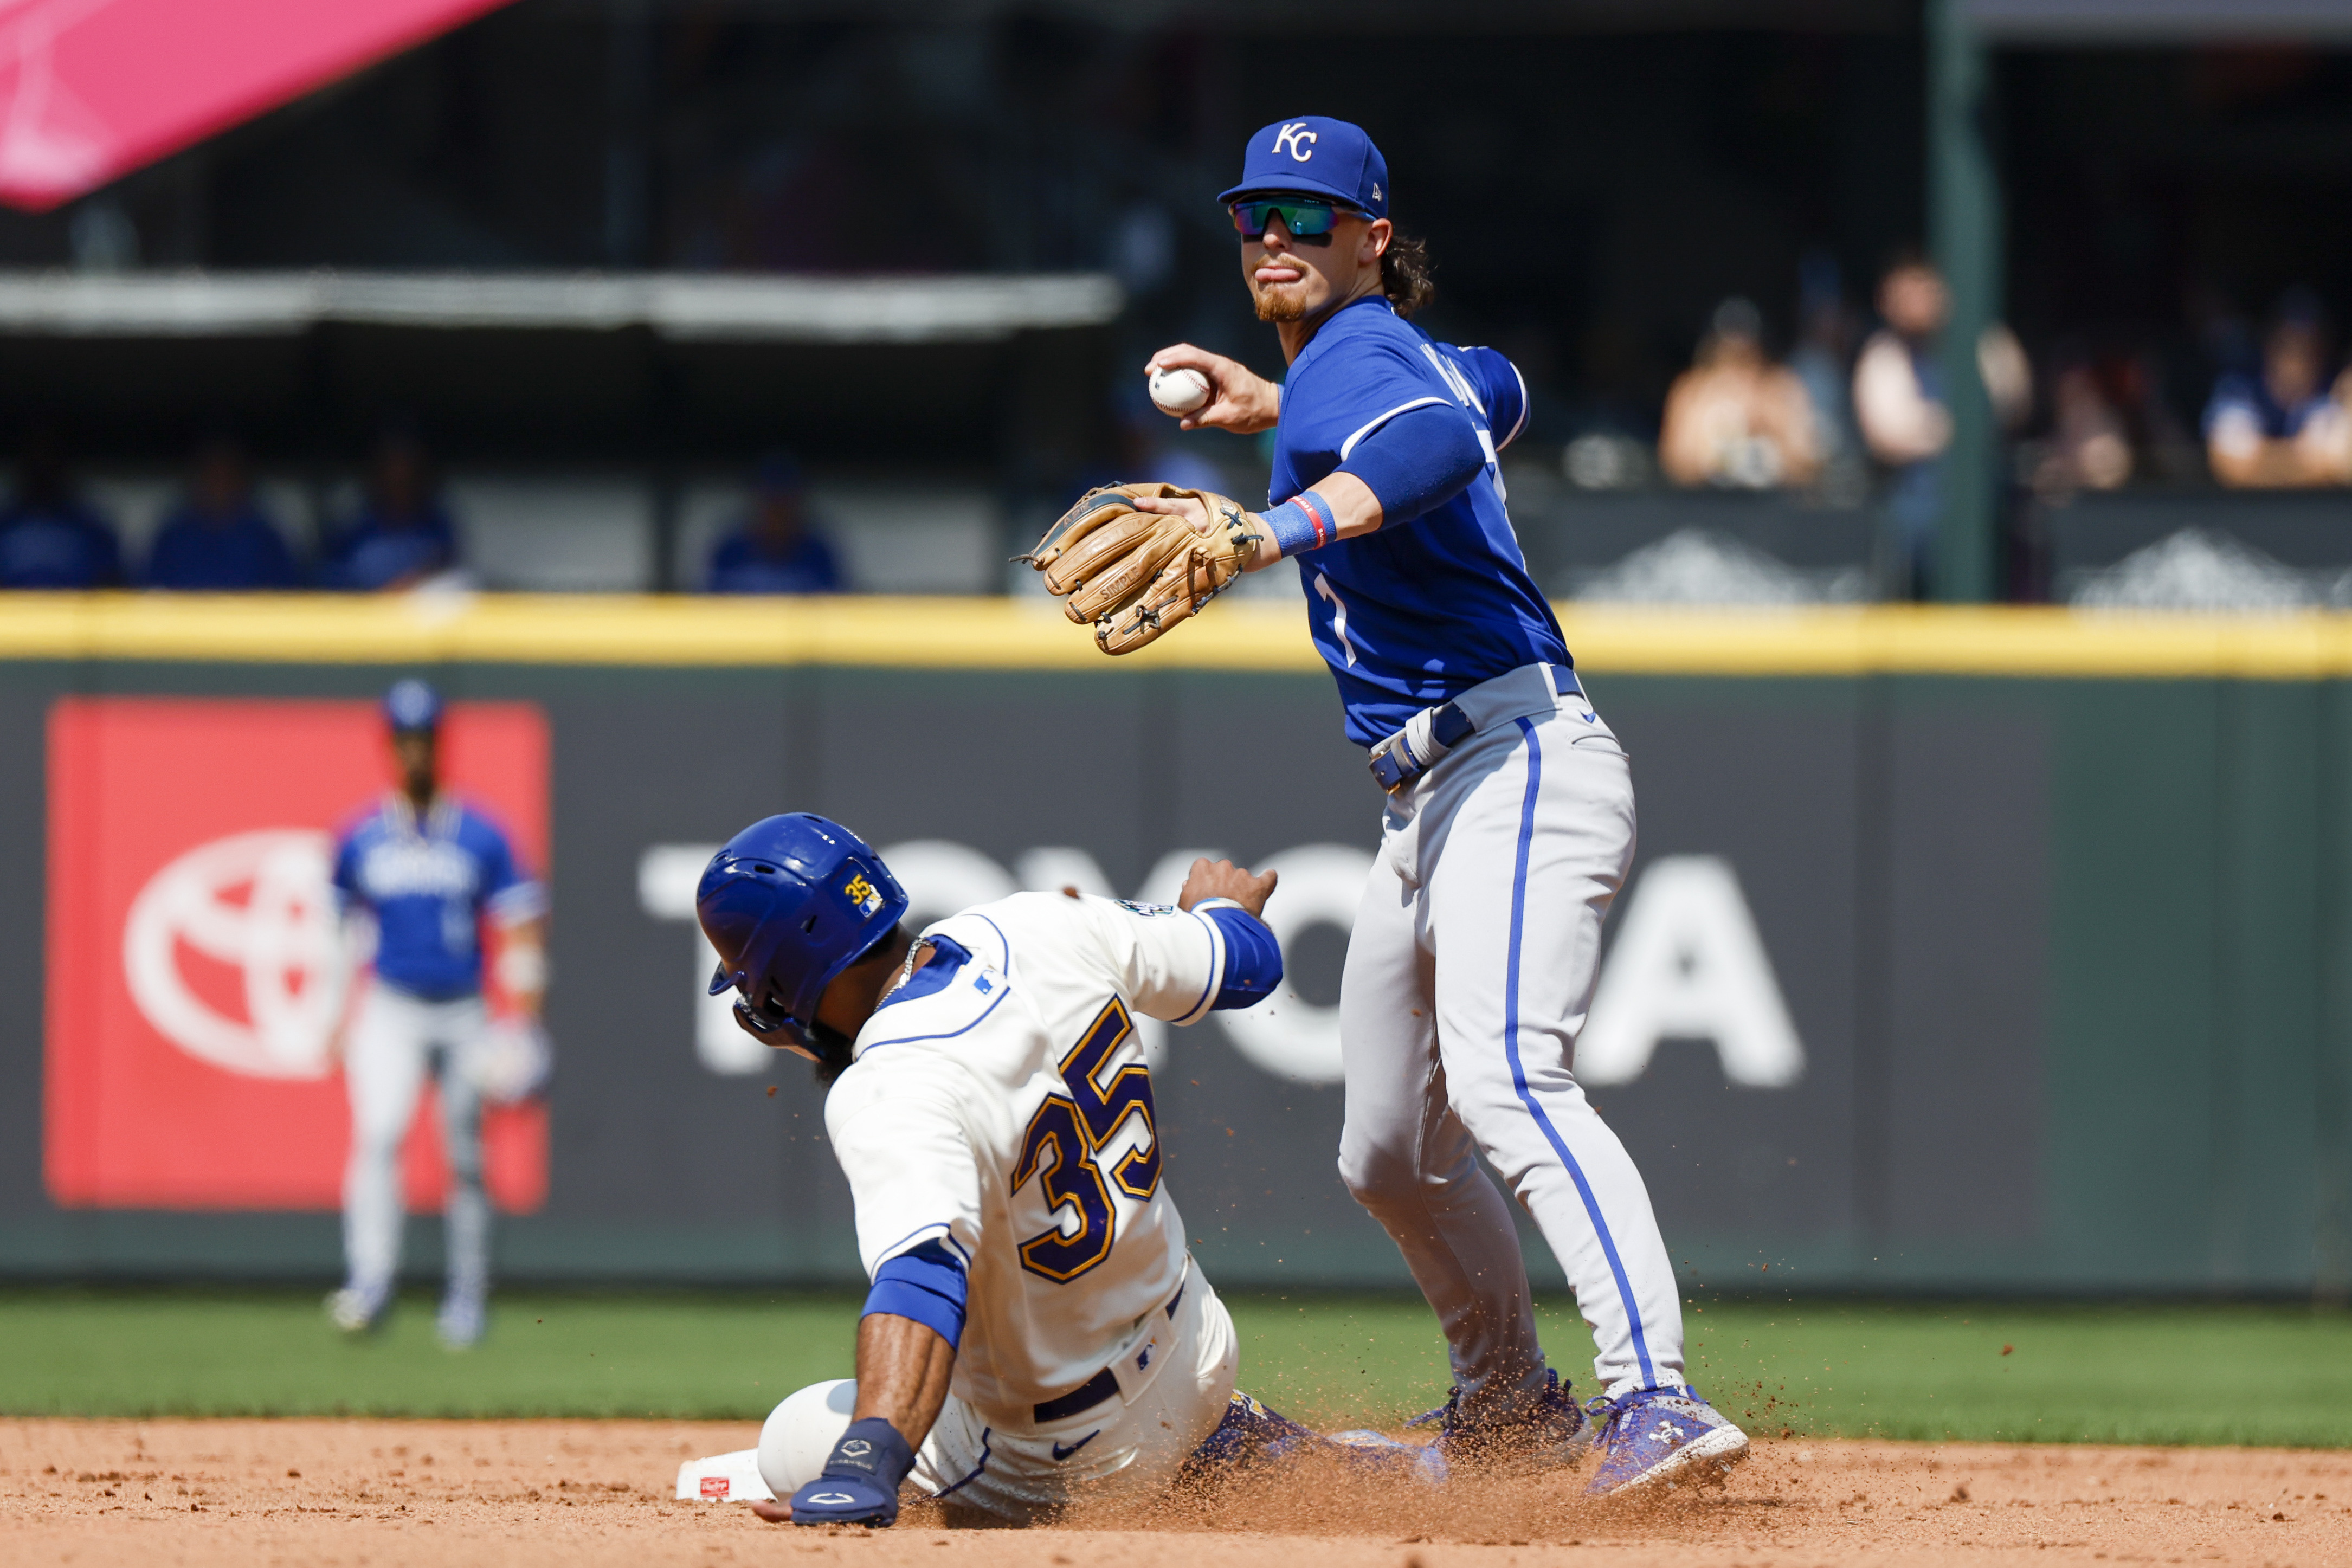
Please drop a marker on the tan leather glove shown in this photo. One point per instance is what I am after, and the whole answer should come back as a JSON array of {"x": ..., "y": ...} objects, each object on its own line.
[{"x": 1136, "y": 574}]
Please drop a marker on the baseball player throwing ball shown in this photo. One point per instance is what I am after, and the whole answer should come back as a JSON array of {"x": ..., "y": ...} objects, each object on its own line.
[
  {"x": 427, "y": 868},
  {"x": 1509, "y": 824},
  {"x": 1036, "y": 1328}
]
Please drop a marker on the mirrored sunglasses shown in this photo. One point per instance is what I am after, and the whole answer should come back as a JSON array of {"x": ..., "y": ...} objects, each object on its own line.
[{"x": 1306, "y": 220}]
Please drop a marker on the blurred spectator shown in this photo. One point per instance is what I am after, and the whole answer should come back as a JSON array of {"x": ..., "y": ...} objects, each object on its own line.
[
  {"x": 1899, "y": 401},
  {"x": 1735, "y": 419},
  {"x": 2090, "y": 446},
  {"x": 49, "y": 536},
  {"x": 402, "y": 534},
  {"x": 2281, "y": 427},
  {"x": 775, "y": 548},
  {"x": 218, "y": 539},
  {"x": 1823, "y": 361}
]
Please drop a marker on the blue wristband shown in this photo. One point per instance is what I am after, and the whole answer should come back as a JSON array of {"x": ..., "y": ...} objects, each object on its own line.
[
  {"x": 1303, "y": 523},
  {"x": 860, "y": 1481},
  {"x": 872, "y": 1448}
]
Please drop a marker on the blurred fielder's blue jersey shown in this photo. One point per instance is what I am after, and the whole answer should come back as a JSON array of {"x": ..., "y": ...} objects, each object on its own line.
[
  {"x": 1425, "y": 609},
  {"x": 429, "y": 884}
]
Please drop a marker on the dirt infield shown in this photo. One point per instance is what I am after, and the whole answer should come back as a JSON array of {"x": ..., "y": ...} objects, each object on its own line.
[{"x": 522, "y": 1493}]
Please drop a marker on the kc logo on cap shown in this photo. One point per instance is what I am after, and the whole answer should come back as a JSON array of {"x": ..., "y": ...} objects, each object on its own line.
[{"x": 1314, "y": 156}]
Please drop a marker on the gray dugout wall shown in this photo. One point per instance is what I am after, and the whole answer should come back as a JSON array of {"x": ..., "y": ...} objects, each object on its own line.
[{"x": 2059, "y": 966}]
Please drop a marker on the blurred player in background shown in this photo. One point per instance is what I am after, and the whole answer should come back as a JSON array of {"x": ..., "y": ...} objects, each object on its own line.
[
  {"x": 218, "y": 539},
  {"x": 1038, "y": 1329},
  {"x": 1509, "y": 831},
  {"x": 50, "y": 536},
  {"x": 427, "y": 869},
  {"x": 402, "y": 534},
  {"x": 776, "y": 547}
]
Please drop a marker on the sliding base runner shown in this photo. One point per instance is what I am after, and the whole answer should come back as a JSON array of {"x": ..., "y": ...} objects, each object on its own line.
[{"x": 1036, "y": 1333}]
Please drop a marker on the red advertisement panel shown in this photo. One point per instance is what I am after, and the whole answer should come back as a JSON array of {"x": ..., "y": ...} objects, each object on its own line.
[{"x": 191, "y": 1001}]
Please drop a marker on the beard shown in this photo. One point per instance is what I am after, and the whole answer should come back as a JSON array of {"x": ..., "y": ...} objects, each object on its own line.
[{"x": 1280, "y": 301}]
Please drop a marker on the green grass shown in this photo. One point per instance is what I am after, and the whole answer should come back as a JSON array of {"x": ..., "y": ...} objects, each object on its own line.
[
  {"x": 2168, "y": 1373},
  {"x": 2115, "y": 1373}
]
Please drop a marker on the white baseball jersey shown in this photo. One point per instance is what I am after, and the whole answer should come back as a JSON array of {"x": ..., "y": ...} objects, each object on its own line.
[{"x": 998, "y": 1103}]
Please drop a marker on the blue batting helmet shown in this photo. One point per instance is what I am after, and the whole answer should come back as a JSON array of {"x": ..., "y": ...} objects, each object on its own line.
[
  {"x": 789, "y": 903},
  {"x": 411, "y": 704}
]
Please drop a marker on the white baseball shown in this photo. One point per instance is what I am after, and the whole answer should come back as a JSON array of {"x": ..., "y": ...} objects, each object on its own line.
[{"x": 1180, "y": 390}]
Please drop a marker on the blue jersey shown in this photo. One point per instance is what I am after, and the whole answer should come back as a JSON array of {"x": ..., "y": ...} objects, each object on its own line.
[
  {"x": 1421, "y": 611},
  {"x": 429, "y": 884}
]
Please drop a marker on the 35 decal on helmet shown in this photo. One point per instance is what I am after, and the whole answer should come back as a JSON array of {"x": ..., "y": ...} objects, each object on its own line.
[{"x": 863, "y": 895}]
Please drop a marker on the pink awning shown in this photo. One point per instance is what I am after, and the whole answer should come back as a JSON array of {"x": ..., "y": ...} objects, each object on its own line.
[{"x": 90, "y": 89}]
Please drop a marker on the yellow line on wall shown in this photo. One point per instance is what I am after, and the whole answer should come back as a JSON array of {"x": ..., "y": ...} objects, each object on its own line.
[{"x": 994, "y": 633}]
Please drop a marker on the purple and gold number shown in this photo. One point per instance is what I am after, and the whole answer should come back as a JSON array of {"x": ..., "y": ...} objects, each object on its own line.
[
  {"x": 1072, "y": 1181},
  {"x": 1106, "y": 1110},
  {"x": 1075, "y": 1128}
]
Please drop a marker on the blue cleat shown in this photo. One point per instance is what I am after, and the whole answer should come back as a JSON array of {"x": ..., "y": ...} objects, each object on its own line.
[
  {"x": 1548, "y": 1431},
  {"x": 1250, "y": 1436},
  {"x": 1653, "y": 1433}
]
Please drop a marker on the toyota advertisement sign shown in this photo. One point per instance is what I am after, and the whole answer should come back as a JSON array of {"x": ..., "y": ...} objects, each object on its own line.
[{"x": 192, "y": 1118}]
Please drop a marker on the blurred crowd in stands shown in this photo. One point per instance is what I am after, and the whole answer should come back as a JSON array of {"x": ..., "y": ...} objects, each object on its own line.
[
  {"x": 1847, "y": 416},
  {"x": 218, "y": 537},
  {"x": 2279, "y": 414}
]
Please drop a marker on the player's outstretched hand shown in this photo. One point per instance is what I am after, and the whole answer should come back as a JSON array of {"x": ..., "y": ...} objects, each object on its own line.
[
  {"x": 843, "y": 1499},
  {"x": 1223, "y": 879},
  {"x": 773, "y": 1512},
  {"x": 1240, "y": 400}
]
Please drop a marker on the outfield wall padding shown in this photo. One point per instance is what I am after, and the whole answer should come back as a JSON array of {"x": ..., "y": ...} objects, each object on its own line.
[{"x": 2057, "y": 911}]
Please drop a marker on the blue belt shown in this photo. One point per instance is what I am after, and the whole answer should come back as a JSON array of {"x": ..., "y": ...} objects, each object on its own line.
[
  {"x": 1392, "y": 761},
  {"x": 1094, "y": 1390}
]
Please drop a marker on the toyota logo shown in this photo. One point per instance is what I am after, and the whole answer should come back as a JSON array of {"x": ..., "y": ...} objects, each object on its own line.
[{"x": 261, "y": 905}]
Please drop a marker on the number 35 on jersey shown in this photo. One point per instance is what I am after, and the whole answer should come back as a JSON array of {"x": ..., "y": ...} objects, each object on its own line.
[{"x": 1066, "y": 1150}]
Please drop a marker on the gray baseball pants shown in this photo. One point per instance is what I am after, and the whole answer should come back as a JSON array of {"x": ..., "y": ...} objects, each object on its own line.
[
  {"x": 1469, "y": 977},
  {"x": 396, "y": 1039}
]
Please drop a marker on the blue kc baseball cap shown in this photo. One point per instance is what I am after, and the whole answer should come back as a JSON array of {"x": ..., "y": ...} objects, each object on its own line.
[
  {"x": 411, "y": 704},
  {"x": 1314, "y": 153}
]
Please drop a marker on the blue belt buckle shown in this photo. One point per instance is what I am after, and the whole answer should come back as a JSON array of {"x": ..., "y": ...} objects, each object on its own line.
[{"x": 1388, "y": 764}]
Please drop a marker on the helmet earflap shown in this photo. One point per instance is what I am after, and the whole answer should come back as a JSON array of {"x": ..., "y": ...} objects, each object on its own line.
[{"x": 760, "y": 1021}]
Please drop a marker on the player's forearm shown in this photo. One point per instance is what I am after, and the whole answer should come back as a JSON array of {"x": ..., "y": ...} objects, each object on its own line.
[
  {"x": 903, "y": 1368},
  {"x": 523, "y": 963},
  {"x": 1338, "y": 506},
  {"x": 349, "y": 956},
  {"x": 1417, "y": 461}
]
